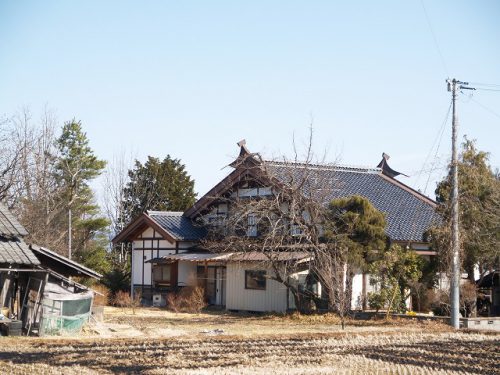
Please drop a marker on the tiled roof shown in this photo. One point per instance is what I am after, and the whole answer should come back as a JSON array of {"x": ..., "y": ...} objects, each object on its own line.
[
  {"x": 16, "y": 252},
  {"x": 179, "y": 226},
  {"x": 408, "y": 213},
  {"x": 13, "y": 250},
  {"x": 9, "y": 226}
]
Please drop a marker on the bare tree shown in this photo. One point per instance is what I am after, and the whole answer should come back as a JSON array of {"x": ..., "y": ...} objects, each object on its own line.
[
  {"x": 330, "y": 267},
  {"x": 115, "y": 180},
  {"x": 278, "y": 211}
]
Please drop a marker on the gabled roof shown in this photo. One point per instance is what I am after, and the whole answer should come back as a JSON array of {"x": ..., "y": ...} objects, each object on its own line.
[
  {"x": 172, "y": 225},
  {"x": 13, "y": 251},
  {"x": 177, "y": 225},
  {"x": 9, "y": 226},
  {"x": 409, "y": 214}
]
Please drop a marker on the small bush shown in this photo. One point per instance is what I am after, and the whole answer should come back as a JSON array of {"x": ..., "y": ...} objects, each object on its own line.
[
  {"x": 174, "y": 302},
  {"x": 377, "y": 300},
  {"x": 188, "y": 299},
  {"x": 122, "y": 299},
  {"x": 101, "y": 300}
]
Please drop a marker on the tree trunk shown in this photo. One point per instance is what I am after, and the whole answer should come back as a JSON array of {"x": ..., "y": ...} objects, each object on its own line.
[{"x": 349, "y": 286}]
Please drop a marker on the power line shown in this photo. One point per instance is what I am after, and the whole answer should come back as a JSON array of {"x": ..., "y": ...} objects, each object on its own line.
[
  {"x": 437, "y": 140},
  {"x": 434, "y": 38},
  {"x": 485, "y": 107},
  {"x": 486, "y": 89},
  {"x": 484, "y": 84}
]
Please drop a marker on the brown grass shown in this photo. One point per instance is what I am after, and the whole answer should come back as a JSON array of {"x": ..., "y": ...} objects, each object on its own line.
[{"x": 292, "y": 344}]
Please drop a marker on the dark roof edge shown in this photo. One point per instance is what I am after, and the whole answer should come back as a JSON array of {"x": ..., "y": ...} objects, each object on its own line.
[
  {"x": 68, "y": 262},
  {"x": 213, "y": 193},
  {"x": 144, "y": 218}
]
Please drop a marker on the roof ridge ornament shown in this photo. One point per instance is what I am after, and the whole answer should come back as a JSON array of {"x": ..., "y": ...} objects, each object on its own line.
[
  {"x": 245, "y": 155},
  {"x": 388, "y": 171}
]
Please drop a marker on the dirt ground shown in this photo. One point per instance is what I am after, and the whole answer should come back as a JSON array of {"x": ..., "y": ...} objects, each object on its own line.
[{"x": 155, "y": 341}]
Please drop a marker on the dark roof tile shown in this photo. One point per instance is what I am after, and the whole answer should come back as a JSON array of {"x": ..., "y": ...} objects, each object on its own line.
[
  {"x": 9, "y": 226},
  {"x": 409, "y": 214},
  {"x": 16, "y": 252},
  {"x": 179, "y": 226}
]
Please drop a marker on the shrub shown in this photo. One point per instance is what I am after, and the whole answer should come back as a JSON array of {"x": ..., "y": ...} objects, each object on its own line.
[
  {"x": 122, "y": 299},
  {"x": 188, "y": 299},
  {"x": 377, "y": 300},
  {"x": 101, "y": 300},
  {"x": 117, "y": 280}
]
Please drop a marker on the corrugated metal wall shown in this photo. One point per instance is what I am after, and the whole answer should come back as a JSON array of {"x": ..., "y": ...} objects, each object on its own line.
[{"x": 274, "y": 298}]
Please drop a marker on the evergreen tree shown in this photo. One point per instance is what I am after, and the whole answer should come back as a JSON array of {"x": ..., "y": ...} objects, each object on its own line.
[
  {"x": 354, "y": 224},
  {"x": 359, "y": 226},
  {"x": 75, "y": 168},
  {"x": 479, "y": 215},
  {"x": 395, "y": 270},
  {"x": 158, "y": 185}
]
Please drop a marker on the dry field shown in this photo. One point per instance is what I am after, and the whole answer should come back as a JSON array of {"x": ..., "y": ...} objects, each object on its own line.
[{"x": 167, "y": 343}]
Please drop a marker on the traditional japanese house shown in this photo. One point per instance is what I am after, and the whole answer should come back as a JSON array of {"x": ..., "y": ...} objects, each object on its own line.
[{"x": 165, "y": 245}]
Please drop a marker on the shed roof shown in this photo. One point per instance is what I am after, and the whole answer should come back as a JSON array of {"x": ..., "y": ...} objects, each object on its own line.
[
  {"x": 62, "y": 264},
  {"x": 191, "y": 257}
]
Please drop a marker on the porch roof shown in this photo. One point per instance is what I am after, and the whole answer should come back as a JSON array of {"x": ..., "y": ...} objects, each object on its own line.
[
  {"x": 190, "y": 257},
  {"x": 252, "y": 256}
]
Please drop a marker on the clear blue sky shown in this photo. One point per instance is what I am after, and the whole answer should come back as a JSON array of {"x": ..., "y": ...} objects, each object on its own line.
[{"x": 191, "y": 78}]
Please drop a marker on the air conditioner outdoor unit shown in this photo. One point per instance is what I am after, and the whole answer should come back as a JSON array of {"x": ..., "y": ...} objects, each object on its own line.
[{"x": 158, "y": 300}]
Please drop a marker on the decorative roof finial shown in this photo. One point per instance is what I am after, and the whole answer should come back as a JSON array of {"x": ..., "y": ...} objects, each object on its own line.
[
  {"x": 244, "y": 156},
  {"x": 388, "y": 171}
]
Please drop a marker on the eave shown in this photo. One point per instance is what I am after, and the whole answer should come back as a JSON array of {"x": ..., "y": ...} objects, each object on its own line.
[{"x": 137, "y": 226}]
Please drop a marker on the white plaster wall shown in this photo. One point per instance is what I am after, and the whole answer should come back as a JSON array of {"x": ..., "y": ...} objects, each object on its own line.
[
  {"x": 357, "y": 292},
  {"x": 149, "y": 233},
  {"x": 136, "y": 267}
]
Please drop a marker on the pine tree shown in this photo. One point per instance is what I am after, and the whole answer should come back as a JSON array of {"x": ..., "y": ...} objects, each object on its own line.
[{"x": 75, "y": 168}]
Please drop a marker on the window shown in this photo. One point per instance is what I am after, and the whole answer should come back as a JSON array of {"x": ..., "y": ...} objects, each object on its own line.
[
  {"x": 255, "y": 280},
  {"x": 162, "y": 273},
  {"x": 295, "y": 230},
  {"x": 252, "y": 226}
]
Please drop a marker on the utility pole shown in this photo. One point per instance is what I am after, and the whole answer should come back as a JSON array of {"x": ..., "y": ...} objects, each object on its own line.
[{"x": 456, "y": 271}]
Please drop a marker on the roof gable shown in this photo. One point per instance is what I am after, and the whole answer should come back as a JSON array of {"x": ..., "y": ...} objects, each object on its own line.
[
  {"x": 179, "y": 226},
  {"x": 173, "y": 226}
]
